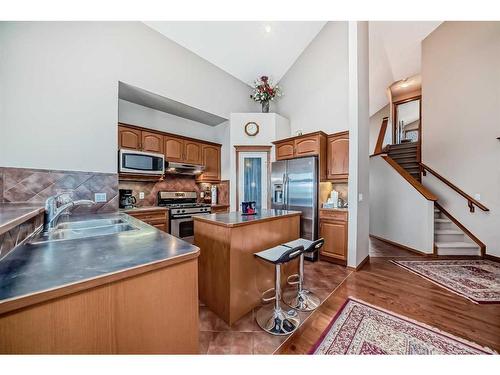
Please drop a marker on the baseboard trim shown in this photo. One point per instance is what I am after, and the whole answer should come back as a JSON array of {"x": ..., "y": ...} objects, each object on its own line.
[
  {"x": 402, "y": 246},
  {"x": 361, "y": 265},
  {"x": 491, "y": 257}
]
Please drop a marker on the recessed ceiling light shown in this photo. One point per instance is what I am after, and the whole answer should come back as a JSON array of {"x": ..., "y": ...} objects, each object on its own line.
[
  {"x": 267, "y": 28},
  {"x": 404, "y": 83}
]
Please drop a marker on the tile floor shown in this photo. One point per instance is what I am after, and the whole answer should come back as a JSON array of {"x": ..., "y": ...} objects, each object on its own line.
[{"x": 245, "y": 336}]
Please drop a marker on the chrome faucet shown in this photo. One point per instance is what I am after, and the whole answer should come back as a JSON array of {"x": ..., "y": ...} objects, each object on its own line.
[{"x": 52, "y": 212}]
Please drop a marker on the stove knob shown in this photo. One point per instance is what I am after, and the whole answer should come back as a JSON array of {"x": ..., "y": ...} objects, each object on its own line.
[{"x": 183, "y": 211}]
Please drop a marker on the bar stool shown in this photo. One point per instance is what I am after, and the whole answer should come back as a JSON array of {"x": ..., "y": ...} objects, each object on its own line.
[
  {"x": 301, "y": 298},
  {"x": 278, "y": 319}
]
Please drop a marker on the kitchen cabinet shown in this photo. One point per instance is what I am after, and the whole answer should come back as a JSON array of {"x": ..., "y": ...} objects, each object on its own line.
[
  {"x": 156, "y": 218},
  {"x": 192, "y": 152},
  {"x": 178, "y": 149},
  {"x": 174, "y": 149},
  {"x": 333, "y": 228},
  {"x": 338, "y": 157},
  {"x": 129, "y": 138},
  {"x": 220, "y": 209},
  {"x": 152, "y": 142},
  {"x": 211, "y": 156},
  {"x": 312, "y": 144}
]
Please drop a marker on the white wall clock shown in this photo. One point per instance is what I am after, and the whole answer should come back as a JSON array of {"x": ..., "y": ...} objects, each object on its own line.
[{"x": 251, "y": 129}]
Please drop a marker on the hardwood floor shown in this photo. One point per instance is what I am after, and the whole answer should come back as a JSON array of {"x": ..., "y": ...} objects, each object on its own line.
[{"x": 386, "y": 285}]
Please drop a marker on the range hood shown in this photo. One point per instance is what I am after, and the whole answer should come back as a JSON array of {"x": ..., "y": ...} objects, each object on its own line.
[{"x": 183, "y": 168}]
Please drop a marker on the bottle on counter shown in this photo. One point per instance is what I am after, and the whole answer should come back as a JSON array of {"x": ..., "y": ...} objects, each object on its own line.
[{"x": 213, "y": 191}]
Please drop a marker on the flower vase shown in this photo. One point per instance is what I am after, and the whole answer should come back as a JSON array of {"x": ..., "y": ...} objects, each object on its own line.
[{"x": 265, "y": 107}]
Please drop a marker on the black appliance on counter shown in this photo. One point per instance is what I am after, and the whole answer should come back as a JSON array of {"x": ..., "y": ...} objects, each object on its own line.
[
  {"x": 182, "y": 207},
  {"x": 127, "y": 200}
]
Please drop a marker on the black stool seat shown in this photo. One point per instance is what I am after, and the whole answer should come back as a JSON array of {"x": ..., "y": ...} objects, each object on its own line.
[
  {"x": 280, "y": 254},
  {"x": 308, "y": 245}
]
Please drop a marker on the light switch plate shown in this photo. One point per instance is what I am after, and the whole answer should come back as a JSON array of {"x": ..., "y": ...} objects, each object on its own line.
[
  {"x": 100, "y": 197},
  {"x": 360, "y": 197},
  {"x": 141, "y": 195}
]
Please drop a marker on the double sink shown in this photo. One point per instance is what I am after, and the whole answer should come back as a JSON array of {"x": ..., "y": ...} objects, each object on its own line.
[{"x": 85, "y": 229}]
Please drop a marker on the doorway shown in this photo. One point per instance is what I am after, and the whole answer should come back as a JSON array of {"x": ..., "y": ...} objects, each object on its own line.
[
  {"x": 407, "y": 125},
  {"x": 252, "y": 175}
]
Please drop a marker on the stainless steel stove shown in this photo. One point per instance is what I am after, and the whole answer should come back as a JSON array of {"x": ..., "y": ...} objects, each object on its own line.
[{"x": 182, "y": 207}]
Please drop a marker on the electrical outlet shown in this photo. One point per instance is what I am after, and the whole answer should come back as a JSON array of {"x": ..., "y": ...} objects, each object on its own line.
[
  {"x": 141, "y": 195},
  {"x": 477, "y": 196},
  {"x": 360, "y": 197},
  {"x": 100, "y": 197}
]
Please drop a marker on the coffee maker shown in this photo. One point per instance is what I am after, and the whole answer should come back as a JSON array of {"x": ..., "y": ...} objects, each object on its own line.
[{"x": 127, "y": 200}]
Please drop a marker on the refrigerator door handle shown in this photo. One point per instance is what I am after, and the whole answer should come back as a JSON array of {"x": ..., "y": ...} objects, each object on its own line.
[{"x": 285, "y": 192}]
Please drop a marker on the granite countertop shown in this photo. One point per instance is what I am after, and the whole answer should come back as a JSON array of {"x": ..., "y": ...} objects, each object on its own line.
[
  {"x": 233, "y": 219},
  {"x": 13, "y": 214},
  {"x": 36, "y": 272},
  {"x": 143, "y": 209}
]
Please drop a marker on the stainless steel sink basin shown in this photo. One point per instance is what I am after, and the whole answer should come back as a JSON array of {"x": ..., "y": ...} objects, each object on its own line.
[
  {"x": 85, "y": 229},
  {"x": 90, "y": 223}
]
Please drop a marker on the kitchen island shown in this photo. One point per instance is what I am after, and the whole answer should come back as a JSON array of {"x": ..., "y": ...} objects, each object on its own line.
[
  {"x": 133, "y": 291},
  {"x": 231, "y": 279}
]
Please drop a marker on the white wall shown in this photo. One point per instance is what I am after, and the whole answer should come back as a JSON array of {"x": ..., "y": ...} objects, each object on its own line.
[
  {"x": 271, "y": 127},
  {"x": 316, "y": 85},
  {"x": 398, "y": 212},
  {"x": 375, "y": 122},
  {"x": 59, "y": 88},
  {"x": 460, "y": 112},
  {"x": 359, "y": 192}
]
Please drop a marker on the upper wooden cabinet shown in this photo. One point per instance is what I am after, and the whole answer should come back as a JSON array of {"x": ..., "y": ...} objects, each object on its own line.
[
  {"x": 304, "y": 145},
  {"x": 192, "y": 152},
  {"x": 152, "y": 142},
  {"x": 338, "y": 157},
  {"x": 178, "y": 149},
  {"x": 129, "y": 138},
  {"x": 211, "y": 155},
  {"x": 174, "y": 149}
]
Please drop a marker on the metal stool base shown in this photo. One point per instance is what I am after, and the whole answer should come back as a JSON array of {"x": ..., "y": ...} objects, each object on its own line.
[
  {"x": 302, "y": 301},
  {"x": 279, "y": 322}
]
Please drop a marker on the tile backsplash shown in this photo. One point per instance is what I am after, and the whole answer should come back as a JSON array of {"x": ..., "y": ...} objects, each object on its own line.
[{"x": 36, "y": 185}]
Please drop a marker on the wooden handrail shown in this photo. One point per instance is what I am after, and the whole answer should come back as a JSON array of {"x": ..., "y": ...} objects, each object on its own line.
[
  {"x": 481, "y": 245},
  {"x": 470, "y": 201},
  {"x": 381, "y": 136},
  {"x": 408, "y": 177}
]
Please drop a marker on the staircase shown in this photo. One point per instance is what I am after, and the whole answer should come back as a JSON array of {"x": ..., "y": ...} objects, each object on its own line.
[
  {"x": 449, "y": 239},
  {"x": 405, "y": 154}
]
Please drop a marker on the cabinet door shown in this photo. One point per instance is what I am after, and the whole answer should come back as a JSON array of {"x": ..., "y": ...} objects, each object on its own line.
[
  {"x": 335, "y": 235},
  {"x": 284, "y": 150},
  {"x": 307, "y": 146},
  {"x": 211, "y": 161},
  {"x": 192, "y": 152},
  {"x": 174, "y": 148},
  {"x": 338, "y": 157},
  {"x": 129, "y": 138},
  {"x": 152, "y": 142}
]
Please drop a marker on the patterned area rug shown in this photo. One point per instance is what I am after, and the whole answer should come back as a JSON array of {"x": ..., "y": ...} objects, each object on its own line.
[
  {"x": 476, "y": 280},
  {"x": 360, "y": 328}
]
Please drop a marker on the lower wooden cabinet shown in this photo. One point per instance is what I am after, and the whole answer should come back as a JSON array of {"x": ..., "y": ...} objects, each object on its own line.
[
  {"x": 156, "y": 218},
  {"x": 333, "y": 228},
  {"x": 220, "y": 209}
]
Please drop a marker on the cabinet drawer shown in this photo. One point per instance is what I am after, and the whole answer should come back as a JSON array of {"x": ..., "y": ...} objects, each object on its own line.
[{"x": 332, "y": 214}]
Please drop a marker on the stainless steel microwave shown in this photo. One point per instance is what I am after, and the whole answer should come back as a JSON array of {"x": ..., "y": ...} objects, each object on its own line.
[{"x": 132, "y": 161}]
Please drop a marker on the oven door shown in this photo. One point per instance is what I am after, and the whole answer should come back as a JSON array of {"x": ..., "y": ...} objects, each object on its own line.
[
  {"x": 131, "y": 161},
  {"x": 182, "y": 228}
]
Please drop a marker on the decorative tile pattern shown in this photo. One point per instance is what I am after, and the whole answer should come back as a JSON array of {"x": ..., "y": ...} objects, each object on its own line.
[
  {"x": 359, "y": 328},
  {"x": 9, "y": 240},
  {"x": 245, "y": 336},
  {"x": 476, "y": 280},
  {"x": 151, "y": 189},
  {"x": 36, "y": 185}
]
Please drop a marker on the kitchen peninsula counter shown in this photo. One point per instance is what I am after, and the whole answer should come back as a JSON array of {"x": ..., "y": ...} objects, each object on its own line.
[{"x": 231, "y": 279}]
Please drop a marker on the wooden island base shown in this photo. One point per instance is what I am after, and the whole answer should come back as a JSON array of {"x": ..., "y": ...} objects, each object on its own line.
[{"x": 231, "y": 279}]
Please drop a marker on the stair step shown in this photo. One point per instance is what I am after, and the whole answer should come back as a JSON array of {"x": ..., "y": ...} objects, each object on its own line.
[
  {"x": 447, "y": 231},
  {"x": 404, "y": 159},
  {"x": 404, "y": 145},
  {"x": 409, "y": 164},
  {"x": 457, "y": 248},
  {"x": 402, "y": 152},
  {"x": 442, "y": 220},
  {"x": 457, "y": 245}
]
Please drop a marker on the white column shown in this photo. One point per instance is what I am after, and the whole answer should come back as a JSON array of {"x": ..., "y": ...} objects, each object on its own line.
[{"x": 358, "y": 144}]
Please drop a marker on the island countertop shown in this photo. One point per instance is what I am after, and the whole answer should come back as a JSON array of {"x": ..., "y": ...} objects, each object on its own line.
[
  {"x": 33, "y": 273},
  {"x": 234, "y": 219}
]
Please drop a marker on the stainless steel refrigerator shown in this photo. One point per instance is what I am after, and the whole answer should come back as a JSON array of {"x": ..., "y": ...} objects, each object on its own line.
[{"x": 294, "y": 186}]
